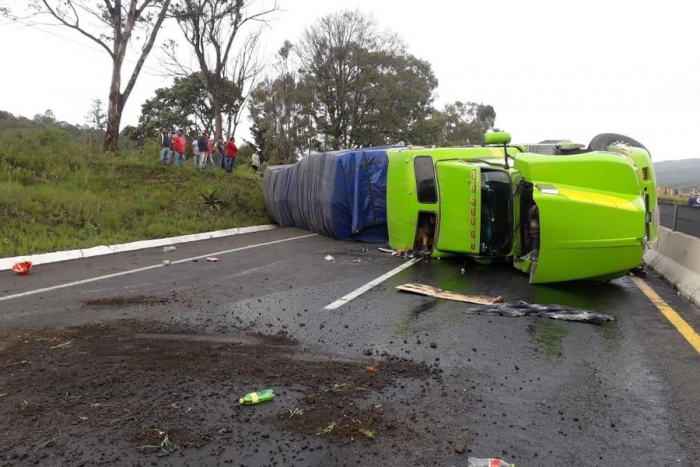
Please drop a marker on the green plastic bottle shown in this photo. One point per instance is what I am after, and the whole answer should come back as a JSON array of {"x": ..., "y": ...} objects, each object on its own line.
[{"x": 257, "y": 397}]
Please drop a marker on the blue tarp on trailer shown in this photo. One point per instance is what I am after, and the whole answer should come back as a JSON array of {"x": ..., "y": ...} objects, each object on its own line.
[{"x": 339, "y": 194}]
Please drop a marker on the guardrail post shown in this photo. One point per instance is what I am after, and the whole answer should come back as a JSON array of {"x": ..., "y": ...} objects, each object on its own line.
[{"x": 675, "y": 216}]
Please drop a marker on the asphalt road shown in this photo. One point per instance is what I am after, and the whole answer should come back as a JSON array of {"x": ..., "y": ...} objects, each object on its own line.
[{"x": 535, "y": 392}]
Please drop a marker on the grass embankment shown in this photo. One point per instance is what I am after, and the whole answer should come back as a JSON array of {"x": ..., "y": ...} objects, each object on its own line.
[{"x": 57, "y": 194}]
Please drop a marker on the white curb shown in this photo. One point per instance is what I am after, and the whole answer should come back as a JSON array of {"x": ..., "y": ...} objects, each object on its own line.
[{"x": 44, "y": 258}]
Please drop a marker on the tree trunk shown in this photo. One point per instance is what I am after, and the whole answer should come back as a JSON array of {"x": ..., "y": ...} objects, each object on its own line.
[
  {"x": 114, "y": 111},
  {"x": 111, "y": 142},
  {"x": 218, "y": 119}
]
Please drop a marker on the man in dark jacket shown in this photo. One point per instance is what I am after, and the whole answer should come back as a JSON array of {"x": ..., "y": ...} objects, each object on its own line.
[
  {"x": 203, "y": 146},
  {"x": 165, "y": 145},
  {"x": 221, "y": 149}
]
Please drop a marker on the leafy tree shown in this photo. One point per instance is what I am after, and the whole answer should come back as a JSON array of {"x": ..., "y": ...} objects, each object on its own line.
[
  {"x": 185, "y": 105},
  {"x": 211, "y": 27},
  {"x": 96, "y": 118},
  {"x": 282, "y": 127},
  {"x": 465, "y": 123},
  {"x": 367, "y": 90},
  {"x": 114, "y": 25},
  {"x": 47, "y": 118}
]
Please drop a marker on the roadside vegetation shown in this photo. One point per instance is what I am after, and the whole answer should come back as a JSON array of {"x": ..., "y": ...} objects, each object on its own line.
[
  {"x": 57, "y": 193},
  {"x": 668, "y": 199}
]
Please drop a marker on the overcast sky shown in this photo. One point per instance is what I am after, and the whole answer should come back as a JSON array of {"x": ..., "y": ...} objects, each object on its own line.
[{"x": 551, "y": 69}]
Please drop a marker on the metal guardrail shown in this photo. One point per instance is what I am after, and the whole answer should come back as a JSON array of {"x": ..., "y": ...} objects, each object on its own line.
[{"x": 685, "y": 219}]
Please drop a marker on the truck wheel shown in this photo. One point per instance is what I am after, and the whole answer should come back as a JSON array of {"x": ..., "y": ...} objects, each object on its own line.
[{"x": 602, "y": 141}]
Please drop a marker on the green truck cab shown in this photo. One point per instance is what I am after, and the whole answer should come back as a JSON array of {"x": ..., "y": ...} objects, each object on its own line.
[{"x": 559, "y": 211}]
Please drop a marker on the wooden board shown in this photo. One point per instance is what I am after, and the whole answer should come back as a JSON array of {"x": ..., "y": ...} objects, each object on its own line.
[{"x": 422, "y": 289}]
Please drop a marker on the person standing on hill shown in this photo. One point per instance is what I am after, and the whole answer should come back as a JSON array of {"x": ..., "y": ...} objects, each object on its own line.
[
  {"x": 165, "y": 145},
  {"x": 179, "y": 144},
  {"x": 231, "y": 153},
  {"x": 195, "y": 152},
  {"x": 208, "y": 160},
  {"x": 203, "y": 146},
  {"x": 255, "y": 161},
  {"x": 221, "y": 149}
]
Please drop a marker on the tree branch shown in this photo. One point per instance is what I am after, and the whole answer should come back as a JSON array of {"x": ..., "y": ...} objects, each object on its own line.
[
  {"x": 146, "y": 50},
  {"x": 76, "y": 26}
]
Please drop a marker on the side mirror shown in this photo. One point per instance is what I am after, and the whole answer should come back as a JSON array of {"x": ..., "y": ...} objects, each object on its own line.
[{"x": 497, "y": 137}]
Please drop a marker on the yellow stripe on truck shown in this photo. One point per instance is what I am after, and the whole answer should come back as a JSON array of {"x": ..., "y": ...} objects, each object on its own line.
[{"x": 597, "y": 198}]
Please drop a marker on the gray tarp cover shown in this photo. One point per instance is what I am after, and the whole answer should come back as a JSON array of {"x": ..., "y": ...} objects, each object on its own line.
[{"x": 522, "y": 308}]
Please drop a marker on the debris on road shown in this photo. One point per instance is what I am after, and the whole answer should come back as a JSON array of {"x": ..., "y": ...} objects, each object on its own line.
[
  {"x": 433, "y": 345},
  {"x": 63, "y": 345},
  {"x": 522, "y": 308},
  {"x": 257, "y": 397},
  {"x": 373, "y": 369},
  {"x": 367, "y": 433},
  {"x": 212, "y": 259},
  {"x": 474, "y": 462},
  {"x": 169, "y": 248},
  {"x": 423, "y": 289},
  {"x": 166, "y": 262},
  {"x": 461, "y": 448},
  {"x": 23, "y": 268},
  {"x": 329, "y": 258},
  {"x": 400, "y": 253}
]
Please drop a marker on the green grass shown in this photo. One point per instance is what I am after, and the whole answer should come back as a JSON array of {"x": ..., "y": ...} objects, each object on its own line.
[{"x": 57, "y": 194}]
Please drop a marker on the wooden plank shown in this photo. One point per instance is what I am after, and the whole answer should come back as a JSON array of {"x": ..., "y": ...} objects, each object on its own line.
[{"x": 423, "y": 289}]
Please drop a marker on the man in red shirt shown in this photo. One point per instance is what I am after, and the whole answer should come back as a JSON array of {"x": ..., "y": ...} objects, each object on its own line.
[
  {"x": 231, "y": 153},
  {"x": 179, "y": 144}
]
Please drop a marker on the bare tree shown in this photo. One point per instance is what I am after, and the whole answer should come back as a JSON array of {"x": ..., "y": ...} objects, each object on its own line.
[
  {"x": 210, "y": 27},
  {"x": 245, "y": 68},
  {"x": 114, "y": 25}
]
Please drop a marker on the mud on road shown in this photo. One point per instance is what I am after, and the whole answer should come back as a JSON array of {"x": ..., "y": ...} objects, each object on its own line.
[{"x": 130, "y": 392}]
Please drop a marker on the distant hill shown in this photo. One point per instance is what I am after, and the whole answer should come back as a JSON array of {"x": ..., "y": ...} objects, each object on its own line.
[
  {"x": 680, "y": 174},
  {"x": 9, "y": 122}
]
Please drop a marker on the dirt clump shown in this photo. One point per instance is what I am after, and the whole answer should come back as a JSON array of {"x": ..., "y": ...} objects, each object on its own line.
[{"x": 126, "y": 301}]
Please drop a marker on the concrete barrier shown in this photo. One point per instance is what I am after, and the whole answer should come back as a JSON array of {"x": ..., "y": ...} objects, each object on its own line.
[
  {"x": 676, "y": 256},
  {"x": 44, "y": 258}
]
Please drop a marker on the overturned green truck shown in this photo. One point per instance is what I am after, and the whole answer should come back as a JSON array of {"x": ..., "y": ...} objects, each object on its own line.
[{"x": 559, "y": 211}]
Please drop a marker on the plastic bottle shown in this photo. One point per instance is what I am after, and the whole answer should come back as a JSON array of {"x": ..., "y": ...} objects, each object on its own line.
[
  {"x": 257, "y": 397},
  {"x": 474, "y": 462}
]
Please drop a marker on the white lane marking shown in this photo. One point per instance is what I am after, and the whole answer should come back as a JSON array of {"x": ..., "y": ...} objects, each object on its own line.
[
  {"x": 356, "y": 293},
  {"x": 147, "y": 268}
]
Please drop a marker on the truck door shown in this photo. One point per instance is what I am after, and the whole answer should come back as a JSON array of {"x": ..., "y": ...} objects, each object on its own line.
[{"x": 460, "y": 207}]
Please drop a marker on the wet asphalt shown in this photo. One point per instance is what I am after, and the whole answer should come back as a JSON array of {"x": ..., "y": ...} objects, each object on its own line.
[{"x": 532, "y": 391}]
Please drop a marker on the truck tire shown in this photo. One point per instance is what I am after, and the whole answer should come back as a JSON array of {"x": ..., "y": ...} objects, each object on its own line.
[{"x": 602, "y": 141}]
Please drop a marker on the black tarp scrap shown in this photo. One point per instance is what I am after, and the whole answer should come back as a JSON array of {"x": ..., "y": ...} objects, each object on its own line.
[{"x": 522, "y": 308}]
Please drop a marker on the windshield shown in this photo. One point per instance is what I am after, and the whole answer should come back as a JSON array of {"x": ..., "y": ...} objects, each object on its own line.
[{"x": 496, "y": 209}]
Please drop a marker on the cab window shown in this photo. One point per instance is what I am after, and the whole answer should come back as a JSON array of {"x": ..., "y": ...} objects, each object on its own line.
[{"x": 425, "y": 179}]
